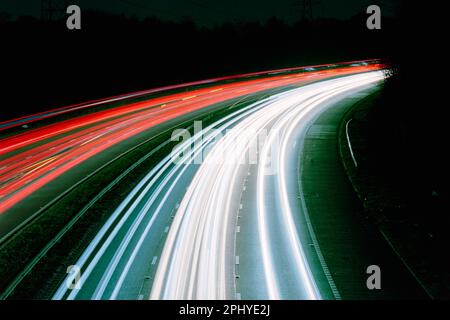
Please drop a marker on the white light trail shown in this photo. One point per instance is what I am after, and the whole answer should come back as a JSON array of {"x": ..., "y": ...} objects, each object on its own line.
[{"x": 193, "y": 263}]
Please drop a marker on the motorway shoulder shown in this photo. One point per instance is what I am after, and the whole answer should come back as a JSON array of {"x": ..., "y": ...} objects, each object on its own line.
[{"x": 348, "y": 241}]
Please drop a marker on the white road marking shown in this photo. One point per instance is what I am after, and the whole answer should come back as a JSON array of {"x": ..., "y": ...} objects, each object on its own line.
[
  {"x": 197, "y": 239},
  {"x": 349, "y": 143}
]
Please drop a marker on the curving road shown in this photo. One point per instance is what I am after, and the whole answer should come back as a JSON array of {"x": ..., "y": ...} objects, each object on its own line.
[
  {"x": 193, "y": 250},
  {"x": 197, "y": 261},
  {"x": 218, "y": 218}
]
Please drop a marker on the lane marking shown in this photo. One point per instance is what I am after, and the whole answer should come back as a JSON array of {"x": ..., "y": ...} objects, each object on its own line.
[
  {"x": 349, "y": 143},
  {"x": 189, "y": 98}
]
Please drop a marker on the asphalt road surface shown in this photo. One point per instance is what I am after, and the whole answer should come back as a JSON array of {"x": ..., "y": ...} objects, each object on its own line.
[{"x": 252, "y": 206}]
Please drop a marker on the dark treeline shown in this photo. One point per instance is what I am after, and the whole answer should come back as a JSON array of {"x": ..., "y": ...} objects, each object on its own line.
[
  {"x": 409, "y": 131},
  {"x": 45, "y": 65}
]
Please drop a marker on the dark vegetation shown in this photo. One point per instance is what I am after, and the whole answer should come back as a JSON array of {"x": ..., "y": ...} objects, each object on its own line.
[
  {"x": 408, "y": 131},
  {"x": 45, "y": 65},
  {"x": 405, "y": 134},
  {"x": 50, "y": 270}
]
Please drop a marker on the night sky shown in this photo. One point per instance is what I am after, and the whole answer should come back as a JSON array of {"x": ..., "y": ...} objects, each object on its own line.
[{"x": 210, "y": 12}]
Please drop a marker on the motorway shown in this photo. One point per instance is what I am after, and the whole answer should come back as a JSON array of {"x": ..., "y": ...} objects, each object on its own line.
[
  {"x": 218, "y": 217},
  {"x": 206, "y": 221},
  {"x": 346, "y": 239}
]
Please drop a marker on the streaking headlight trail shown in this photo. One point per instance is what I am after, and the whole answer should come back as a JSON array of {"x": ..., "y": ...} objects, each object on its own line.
[
  {"x": 173, "y": 234},
  {"x": 195, "y": 261}
]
